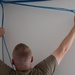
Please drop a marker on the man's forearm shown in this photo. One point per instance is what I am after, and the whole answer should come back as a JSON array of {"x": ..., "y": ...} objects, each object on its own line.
[
  {"x": 67, "y": 42},
  {"x": 65, "y": 45}
]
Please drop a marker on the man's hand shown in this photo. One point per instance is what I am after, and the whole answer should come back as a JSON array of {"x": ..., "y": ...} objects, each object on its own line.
[{"x": 2, "y": 31}]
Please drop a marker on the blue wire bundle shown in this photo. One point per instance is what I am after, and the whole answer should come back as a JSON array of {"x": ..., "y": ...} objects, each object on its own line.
[
  {"x": 6, "y": 1},
  {"x": 18, "y": 2}
]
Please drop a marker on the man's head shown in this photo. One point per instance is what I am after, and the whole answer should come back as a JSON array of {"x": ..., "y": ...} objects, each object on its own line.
[{"x": 22, "y": 57}]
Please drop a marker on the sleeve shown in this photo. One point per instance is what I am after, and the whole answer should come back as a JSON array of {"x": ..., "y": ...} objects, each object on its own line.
[
  {"x": 4, "y": 69},
  {"x": 47, "y": 66}
]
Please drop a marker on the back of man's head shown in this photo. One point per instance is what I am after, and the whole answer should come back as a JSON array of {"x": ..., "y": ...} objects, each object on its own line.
[{"x": 21, "y": 55}]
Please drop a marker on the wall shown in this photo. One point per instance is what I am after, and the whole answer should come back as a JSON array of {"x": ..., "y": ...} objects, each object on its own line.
[{"x": 42, "y": 30}]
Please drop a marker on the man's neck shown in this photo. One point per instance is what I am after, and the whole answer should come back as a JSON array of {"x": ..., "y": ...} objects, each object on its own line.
[{"x": 24, "y": 68}]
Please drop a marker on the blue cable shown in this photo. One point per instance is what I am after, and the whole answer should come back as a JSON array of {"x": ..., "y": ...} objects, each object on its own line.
[
  {"x": 7, "y": 51},
  {"x": 2, "y": 27},
  {"x": 44, "y": 7},
  {"x": 2, "y": 15},
  {"x": 3, "y": 39},
  {"x": 23, "y": 1}
]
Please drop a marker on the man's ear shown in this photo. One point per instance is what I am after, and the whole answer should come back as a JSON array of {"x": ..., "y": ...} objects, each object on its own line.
[
  {"x": 12, "y": 61},
  {"x": 32, "y": 59}
]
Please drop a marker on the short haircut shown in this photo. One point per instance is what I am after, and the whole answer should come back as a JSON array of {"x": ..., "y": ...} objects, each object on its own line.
[{"x": 21, "y": 53}]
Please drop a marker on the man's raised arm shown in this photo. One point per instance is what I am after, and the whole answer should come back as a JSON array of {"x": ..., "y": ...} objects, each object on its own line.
[{"x": 65, "y": 45}]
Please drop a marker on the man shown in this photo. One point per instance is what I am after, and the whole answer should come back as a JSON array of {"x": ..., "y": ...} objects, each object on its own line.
[{"x": 22, "y": 59}]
